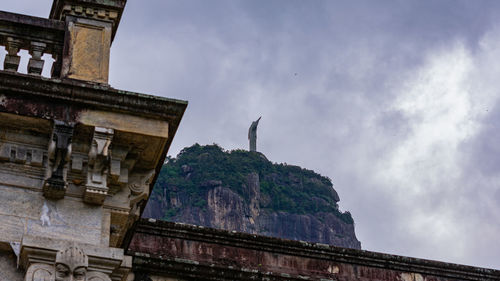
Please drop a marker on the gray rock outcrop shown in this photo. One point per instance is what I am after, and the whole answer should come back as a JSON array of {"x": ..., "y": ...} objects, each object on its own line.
[{"x": 225, "y": 209}]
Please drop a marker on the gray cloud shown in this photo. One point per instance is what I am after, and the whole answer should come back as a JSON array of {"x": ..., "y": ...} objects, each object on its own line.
[{"x": 387, "y": 98}]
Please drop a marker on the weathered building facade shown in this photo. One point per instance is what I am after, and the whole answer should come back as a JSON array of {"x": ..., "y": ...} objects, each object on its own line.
[
  {"x": 78, "y": 159},
  {"x": 186, "y": 252}
]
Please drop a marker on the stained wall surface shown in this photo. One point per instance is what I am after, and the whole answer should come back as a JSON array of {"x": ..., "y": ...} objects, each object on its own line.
[
  {"x": 191, "y": 252},
  {"x": 8, "y": 267},
  {"x": 26, "y": 212}
]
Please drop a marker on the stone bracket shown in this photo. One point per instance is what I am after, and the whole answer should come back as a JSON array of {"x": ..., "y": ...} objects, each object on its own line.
[
  {"x": 139, "y": 186},
  {"x": 118, "y": 171},
  {"x": 136, "y": 193},
  {"x": 99, "y": 157},
  {"x": 58, "y": 154}
]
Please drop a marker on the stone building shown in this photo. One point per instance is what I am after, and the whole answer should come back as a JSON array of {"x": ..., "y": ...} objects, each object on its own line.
[{"x": 78, "y": 159}]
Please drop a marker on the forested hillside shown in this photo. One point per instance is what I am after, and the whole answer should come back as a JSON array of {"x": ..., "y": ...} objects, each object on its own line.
[{"x": 243, "y": 191}]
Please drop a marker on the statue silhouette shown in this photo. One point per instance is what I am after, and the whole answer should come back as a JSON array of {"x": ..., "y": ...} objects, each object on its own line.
[{"x": 252, "y": 135}]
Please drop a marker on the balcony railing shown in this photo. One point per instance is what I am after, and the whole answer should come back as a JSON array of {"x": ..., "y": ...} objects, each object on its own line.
[{"x": 40, "y": 37}]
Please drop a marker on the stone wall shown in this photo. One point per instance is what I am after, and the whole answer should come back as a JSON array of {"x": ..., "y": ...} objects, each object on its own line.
[
  {"x": 186, "y": 252},
  {"x": 9, "y": 270},
  {"x": 27, "y": 212}
]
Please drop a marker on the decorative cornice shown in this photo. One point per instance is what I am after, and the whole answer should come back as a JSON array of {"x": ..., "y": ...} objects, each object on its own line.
[
  {"x": 106, "y": 10},
  {"x": 89, "y": 95}
]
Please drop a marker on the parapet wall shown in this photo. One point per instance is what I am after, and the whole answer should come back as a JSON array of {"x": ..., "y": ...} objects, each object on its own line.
[{"x": 184, "y": 252}]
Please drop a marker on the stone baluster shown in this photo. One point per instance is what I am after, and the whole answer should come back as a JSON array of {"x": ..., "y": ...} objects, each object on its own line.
[
  {"x": 12, "y": 60},
  {"x": 35, "y": 65}
]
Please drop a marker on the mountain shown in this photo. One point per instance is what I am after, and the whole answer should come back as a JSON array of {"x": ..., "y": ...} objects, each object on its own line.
[{"x": 243, "y": 191}]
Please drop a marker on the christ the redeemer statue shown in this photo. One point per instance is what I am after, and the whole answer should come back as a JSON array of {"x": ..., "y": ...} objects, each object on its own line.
[{"x": 252, "y": 135}]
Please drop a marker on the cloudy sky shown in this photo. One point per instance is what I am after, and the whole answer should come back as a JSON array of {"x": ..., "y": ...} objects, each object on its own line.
[{"x": 397, "y": 101}]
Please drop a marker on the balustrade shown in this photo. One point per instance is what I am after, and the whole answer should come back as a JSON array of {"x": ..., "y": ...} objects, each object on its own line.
[{"x": 38, "y": 36}]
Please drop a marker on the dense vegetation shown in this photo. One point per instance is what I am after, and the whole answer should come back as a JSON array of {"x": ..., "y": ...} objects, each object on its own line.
[{"x": 287, "y": 188}]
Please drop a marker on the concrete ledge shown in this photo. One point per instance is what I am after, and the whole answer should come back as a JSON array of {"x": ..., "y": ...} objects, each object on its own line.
[
  {"x": 193, "y": 271},
  {"x": 33, "y": 22},
  {"x": 89, "y": 95}
]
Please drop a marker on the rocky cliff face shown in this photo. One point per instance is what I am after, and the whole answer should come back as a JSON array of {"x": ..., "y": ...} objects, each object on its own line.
[{"x": 265, "y": 201}]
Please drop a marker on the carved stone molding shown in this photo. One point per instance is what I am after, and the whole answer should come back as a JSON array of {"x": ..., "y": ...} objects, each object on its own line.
[
  {"x": 110, "y": 10},
  {"x": 40, "y": 271},
  {"x": 71, "y": 265},
  {"x": 139, "y": 192},
  {"x": 96, "y": 187},
  {"x": 90, "y": 12},
  {"x": 118, "y": 168},
  {"x": 48, "y": 259},
  {"x": 139, "y": 186},
  {"x": 97, "y": 276},
  {"x": 58, "y": 154},
  {"x": 131, "y": 201},
  {"x": 18, "y": 153}
]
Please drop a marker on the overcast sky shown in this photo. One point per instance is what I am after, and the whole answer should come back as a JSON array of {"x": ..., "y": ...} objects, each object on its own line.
[{"x": 396, "y": 101}]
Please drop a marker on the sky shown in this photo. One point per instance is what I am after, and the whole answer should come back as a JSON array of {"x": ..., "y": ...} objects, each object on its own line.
[{"x": 397, "y": 101}]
